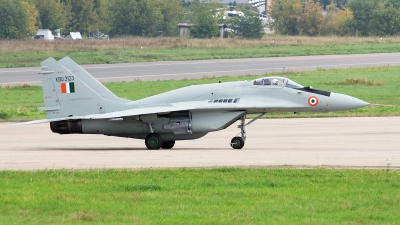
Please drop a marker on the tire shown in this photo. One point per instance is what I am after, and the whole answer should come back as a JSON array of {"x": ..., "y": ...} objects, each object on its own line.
[
  {"x": 237, "y": 143},
  {"x": 168, "y": 144},
  {"x": 153, "y": 141}
]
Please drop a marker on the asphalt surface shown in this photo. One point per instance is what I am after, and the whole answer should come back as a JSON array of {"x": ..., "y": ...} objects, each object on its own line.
[
  {"x": 207, "y": 68},
  {"x": 313, "y": 142}
]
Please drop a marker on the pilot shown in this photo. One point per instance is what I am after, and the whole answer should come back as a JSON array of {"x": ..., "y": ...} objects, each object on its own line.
[{"x": 274, "y": 81}]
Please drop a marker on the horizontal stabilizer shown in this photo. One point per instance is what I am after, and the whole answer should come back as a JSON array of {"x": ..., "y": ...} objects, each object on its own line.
[
  {"x": 49, "y": 108},
  {"x": 45, "y": 121}
]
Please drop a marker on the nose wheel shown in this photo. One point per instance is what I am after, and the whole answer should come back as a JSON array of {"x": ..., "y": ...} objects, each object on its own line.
[{"x": 238, "y": 142}]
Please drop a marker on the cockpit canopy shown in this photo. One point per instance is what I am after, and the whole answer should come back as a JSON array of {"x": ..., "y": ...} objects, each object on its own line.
[{"x": 277, "y": 81}]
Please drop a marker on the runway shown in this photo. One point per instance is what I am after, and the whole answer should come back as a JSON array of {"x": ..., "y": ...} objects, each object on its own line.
[
  {"x": 311, "y": 142},
  {"x": 207, "y": 68}
]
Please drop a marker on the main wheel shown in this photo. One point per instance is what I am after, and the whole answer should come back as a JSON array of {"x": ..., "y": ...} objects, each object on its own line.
[
  {"x": 168, "y": 144},
  {"x": 153, "y": 141},
  {"x": 237, "y": 142}
]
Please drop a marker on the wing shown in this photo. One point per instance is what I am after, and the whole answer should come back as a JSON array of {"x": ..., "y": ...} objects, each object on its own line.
[
  {"x": 117, "y": 114},
  {"x": 172, "y": 107}
]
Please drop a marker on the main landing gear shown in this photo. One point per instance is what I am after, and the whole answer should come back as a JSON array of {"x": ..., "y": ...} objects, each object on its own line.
[
  {"x": 238, "y": 142},
  {"x": 168, "y": 144},
  {"x": 154, "y": 141}
]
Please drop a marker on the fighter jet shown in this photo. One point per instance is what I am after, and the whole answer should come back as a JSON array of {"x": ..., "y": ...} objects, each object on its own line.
[{"x": 76, "y": 103}]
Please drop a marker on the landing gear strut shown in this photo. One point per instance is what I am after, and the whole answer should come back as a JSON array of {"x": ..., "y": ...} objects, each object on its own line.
[{"x": 238, "y": 142}]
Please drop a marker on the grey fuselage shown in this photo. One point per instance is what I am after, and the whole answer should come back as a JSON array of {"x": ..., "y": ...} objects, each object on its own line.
[{"x": 212, "y": 107}]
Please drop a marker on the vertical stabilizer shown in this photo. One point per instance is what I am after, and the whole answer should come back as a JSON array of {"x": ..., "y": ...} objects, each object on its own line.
[
  {"x": 66, "y": 94},
  {"x": 83, "y": 75}
]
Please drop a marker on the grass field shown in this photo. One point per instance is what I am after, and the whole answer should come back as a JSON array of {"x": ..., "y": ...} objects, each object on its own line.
[
  {"x": 22, "y": 53},
  {"x": 380, "y": 86},
  {"x": 201, "y": 196}
]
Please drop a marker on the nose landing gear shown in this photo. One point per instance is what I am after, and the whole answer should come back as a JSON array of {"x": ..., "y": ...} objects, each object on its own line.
[{"x": 238, "y": 142}]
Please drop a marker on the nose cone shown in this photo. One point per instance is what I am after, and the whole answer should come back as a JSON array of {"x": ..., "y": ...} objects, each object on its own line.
[{"x": 339, "y": 102}]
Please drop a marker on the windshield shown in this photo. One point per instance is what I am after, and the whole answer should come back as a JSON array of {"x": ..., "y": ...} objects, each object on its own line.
[{"x": 292, "y": 84}]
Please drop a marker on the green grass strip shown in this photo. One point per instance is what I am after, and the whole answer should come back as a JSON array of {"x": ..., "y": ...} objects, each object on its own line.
[
  {"x": 377, "y": 85},
  {"x": 189, "y": 53},
  {"x": 200, "y": 196}
]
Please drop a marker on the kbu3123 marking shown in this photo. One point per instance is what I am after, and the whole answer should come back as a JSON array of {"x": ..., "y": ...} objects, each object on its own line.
[{"x": 65, "y": 79}]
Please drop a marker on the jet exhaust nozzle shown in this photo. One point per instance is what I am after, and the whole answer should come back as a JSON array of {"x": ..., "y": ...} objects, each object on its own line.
[{"x": 66, "y": 127}]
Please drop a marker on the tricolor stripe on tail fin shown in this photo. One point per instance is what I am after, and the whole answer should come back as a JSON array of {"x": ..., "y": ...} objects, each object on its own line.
[{"x": 67, "y": 88}]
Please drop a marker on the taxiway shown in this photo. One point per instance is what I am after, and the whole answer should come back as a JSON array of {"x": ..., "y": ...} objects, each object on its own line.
[{"x": 300, "y": 142}]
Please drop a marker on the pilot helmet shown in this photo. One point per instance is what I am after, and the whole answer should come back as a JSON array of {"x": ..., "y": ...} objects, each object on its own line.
[{"x": 275, "y": 81}]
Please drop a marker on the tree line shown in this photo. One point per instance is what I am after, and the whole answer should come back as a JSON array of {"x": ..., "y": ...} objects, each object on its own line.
[
  {"x": 342, "y": 17},
  {"x": 22, "y": 18}
]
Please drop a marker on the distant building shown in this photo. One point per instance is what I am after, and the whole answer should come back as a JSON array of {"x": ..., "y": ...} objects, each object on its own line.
[
  {"x": 238, "y": 2},
  {"x": 74, "y": 36},
  {"x": 184, "y": 30},
  {"x": 58, "y": 33},
  {"x": 262, "y": 5},
  {"x": 45, "y": 34}
]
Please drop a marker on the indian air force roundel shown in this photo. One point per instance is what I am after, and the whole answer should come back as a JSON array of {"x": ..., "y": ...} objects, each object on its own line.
[{"x": 313, "y": 101}]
